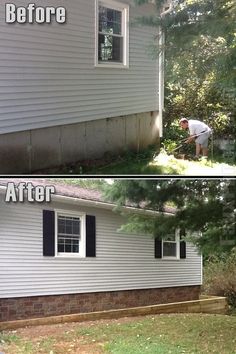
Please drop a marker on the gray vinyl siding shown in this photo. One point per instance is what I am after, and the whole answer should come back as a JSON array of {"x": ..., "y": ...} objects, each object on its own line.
[
  {"x": 123, "y": 261},
  {"x": 48, "y": 77}
]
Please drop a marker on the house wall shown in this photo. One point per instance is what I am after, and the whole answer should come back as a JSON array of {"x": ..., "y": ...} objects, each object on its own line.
[
  {"x": 48, "y": 76},
  {"x": 123, "y": 262}
]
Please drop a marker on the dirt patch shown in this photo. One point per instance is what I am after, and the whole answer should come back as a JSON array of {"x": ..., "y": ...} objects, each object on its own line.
[
  {"x": 63, "y": 338},
  {"x": 56, "y": 330},
  {"x": 170, "y": 333}
]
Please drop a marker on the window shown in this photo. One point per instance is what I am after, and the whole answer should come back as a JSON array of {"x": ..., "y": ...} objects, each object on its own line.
[
  {"x": 173, "y": 246},
  {"x": 112, "y": 34},
  {"x": 170, "y": 246},
  {"x": 70, "y": 234}
]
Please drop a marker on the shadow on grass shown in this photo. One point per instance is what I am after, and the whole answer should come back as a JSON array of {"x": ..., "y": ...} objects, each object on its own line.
[
  {"x": 128, "y": 163},
  {"x": 147, "y": 162},
  {"x": 137, "y": 166}
]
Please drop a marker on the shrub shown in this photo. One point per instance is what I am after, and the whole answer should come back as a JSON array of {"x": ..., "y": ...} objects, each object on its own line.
[
  {"x": 220, "y": 277},
  {"x": 174, "y": 137}
]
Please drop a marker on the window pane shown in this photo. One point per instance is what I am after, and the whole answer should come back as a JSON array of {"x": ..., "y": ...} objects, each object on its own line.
[
  {"x": 68, "y": 234},
  {"x": 110, "y": 48},
  {"x": 61, "y": 225},
  {"x": 60, "y": 247},
  {"x": 68, "y": 226},
  {"x": 67, "y": 247},
  {"x": 109, "y": 20},
  {"x": 169, "y": 249},
  {"x": 75, "y": 246},
  {"x": 76, "y": 227}
]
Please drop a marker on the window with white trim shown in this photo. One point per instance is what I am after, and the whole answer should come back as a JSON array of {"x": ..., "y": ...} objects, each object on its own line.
[
  {"x": 112, "y": 34},
  {"x": 70, "y": 234},
  {"x": 170, "y": 246}
]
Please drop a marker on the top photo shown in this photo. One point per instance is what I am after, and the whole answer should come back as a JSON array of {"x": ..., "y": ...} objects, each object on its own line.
[{"x": 128, "y": 87}]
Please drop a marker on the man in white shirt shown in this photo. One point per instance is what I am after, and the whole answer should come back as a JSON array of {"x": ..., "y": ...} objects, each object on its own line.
[{"x": 199, "y": 132}]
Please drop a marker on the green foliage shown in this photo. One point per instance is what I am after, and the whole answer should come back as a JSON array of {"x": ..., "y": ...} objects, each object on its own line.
[
  {"x": 8, "y": 338},
  {"x": 206, "y": 206},
  {"x": 90, "y": 183},
  {"x": 174, "y": 137},
  {"x": 200, "y": 52},
  {"x": 220, "y": 276},
  {"x": 169, "y": 145}
]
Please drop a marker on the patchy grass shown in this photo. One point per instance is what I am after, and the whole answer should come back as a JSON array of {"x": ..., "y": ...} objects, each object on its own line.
[
  {"x": 147, "y": 163},
  {"x": 201, "y": 167},
  {"x": 174, "y": 333}
]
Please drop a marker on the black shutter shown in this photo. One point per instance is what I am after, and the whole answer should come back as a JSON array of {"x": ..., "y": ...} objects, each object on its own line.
[
  {"x": 48, "y": 233},
  {"x": 158, "y": 248},
  {"x": 90, "y": 236},
  {"x": 182, "y": 248}
]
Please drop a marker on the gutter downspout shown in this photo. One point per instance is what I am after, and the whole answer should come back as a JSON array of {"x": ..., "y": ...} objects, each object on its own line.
[{"x": 161, "y": 68}]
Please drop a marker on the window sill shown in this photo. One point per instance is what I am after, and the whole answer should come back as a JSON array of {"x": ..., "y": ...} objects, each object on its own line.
[
  {"x": 111, "y": 65},
  {"x": 170, "y": 259},
  {"x": 70, "y": 256}
]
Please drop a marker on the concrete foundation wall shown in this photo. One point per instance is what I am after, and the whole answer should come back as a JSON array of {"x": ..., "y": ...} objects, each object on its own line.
[{"x": 32, "y": 150}]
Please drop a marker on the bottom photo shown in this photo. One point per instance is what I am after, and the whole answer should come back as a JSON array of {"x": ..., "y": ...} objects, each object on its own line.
[{"x": 103, "y": 265}]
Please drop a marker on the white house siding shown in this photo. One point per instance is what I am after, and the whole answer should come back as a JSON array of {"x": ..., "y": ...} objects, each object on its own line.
[
  {"x": 123, "y": 261},
  {"x": 48, "y": 77}
]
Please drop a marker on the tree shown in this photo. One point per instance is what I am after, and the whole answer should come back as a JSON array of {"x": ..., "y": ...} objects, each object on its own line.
[
  {"x": 200, "y": 52},
  {"x": 201, "y": 205}
]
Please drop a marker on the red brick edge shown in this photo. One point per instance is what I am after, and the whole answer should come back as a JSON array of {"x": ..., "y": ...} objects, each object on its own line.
[{"x": 41, "y": 306}]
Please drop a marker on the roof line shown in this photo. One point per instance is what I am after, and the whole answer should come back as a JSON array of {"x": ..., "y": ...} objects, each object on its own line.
[{"x": 97, "y": 204}]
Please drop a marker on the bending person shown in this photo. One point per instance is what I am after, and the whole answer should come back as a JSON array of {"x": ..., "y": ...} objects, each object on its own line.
[{"x": 199, "y": 132}]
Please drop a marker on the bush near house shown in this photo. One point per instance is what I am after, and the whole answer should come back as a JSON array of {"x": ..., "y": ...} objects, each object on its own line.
[{"x": 220, "y": 277}]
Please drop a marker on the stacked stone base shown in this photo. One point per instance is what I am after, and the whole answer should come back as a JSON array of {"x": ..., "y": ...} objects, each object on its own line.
[{"x": 41, "y": 306}]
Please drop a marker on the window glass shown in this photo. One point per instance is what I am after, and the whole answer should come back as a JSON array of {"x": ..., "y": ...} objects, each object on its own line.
[
  {"x": 170, "y": 246},
  {"x": 111, "y": 38},
  {"x": 110, "y": 48},
  {"x": 109, "y": 20},
  {"x": 169, "y": 249},
  {"x": 68, "y": 234}
]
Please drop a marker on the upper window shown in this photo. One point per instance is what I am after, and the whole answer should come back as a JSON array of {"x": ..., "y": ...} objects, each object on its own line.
[
  {"x": 112, "y": 34},
  {"x": 70, "y": 234},
  {"x": 170, "y": 246}
]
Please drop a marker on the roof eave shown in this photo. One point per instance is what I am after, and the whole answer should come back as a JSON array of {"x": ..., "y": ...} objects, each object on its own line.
[{"x": 98, "y": 204}]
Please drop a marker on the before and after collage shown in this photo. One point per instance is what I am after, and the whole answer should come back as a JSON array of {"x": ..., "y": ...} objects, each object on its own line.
[{"x": 117, "y": 176}]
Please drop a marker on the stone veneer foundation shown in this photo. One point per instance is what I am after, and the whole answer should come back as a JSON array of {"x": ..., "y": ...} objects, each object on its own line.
[{"x": 40, "y": 306}]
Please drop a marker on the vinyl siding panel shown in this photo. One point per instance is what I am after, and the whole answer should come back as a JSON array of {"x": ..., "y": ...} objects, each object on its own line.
[
  {"x": 123, "y": 261},
  {"x": 48, "y": 77}
]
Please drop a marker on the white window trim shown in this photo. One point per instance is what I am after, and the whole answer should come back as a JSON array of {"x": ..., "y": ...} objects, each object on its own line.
[
  {"x": 177, "y": 241},
  {"x": 82, "y": 252},
  {"x": 125, "y": 32}
]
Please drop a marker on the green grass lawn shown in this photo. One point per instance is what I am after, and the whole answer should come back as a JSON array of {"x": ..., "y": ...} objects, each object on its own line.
[
  {"x": 174, "y": 333},
  {"x": 149, "y": 162}
]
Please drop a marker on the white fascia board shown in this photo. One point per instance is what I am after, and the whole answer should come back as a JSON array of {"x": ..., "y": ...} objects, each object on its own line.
[
  {"x": 97, "y": 204},
  {"x": 103, "y": 205}
]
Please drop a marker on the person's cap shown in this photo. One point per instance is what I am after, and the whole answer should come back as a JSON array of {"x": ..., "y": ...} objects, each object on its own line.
[{"x": 183, "y": 120}]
